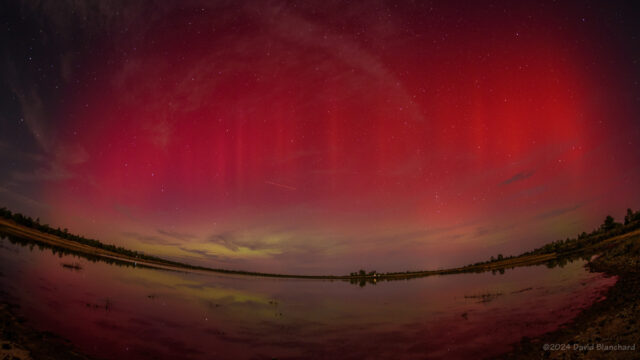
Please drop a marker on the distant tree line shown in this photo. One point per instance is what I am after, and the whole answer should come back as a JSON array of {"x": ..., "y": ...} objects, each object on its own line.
[
  {"x": 362, "y": 272},
  {"x": 65, "y": 234},
  {"x": 60, "y": 251},
  {"x": 609, "y": 228}
]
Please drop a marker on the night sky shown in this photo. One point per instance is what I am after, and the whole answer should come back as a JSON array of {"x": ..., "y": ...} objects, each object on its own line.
[{"x": 321, "y": 136}]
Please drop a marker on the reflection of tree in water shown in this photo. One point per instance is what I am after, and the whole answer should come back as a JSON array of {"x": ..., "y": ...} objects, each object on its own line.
[
  {"x": 368, "y": 279},
  {"x": 362, "y": 282},
  {"x": 566, "y": 251},
  {"x": 562, "y": 251},
  {"x": 361, "y": 278},
  {"x": 276, "y": 312},
  {"x": 564, "y": 260},
  {"x": 56, "y": 250},
  {"x": 27, "y": 221}
]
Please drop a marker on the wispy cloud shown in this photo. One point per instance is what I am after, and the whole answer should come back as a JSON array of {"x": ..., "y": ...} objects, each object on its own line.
[
  {"x": 176, "y": 235},
  {"x": 558, "y": 212},
  {"x": 517, "y": 177},
  {"x": 226, "y": 239}
]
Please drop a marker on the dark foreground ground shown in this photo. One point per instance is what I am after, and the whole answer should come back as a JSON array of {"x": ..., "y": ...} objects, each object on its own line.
[
  {"x": 19, "y": 341},
  {"x": 611, "y": 322}
]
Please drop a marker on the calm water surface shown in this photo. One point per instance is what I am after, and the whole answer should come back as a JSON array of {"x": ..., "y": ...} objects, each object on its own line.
[{"x": 119, "y": 312}]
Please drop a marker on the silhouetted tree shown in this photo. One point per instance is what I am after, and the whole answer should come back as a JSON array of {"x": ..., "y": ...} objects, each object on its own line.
[
  {"x": 628, "y": 218},
  {"x": 609, "y": 223}
]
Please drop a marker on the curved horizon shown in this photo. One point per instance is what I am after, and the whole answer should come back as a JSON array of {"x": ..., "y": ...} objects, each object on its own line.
[{"x": 19, "y": 227}]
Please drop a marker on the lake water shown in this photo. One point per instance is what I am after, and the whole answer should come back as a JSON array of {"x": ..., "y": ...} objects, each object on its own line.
[{"x": 118, "y": 312}]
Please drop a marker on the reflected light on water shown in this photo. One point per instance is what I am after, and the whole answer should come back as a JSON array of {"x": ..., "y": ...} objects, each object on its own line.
[{"x": 137, "y": 313}]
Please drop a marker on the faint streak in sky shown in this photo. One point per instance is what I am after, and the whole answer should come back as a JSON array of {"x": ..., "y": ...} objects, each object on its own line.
[{"x": 281, "y": 185}]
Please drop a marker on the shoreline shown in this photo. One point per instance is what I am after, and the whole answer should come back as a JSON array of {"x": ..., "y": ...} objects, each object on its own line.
[
  {"x": 610, "y": 322},
  {"x": 29, "y": 234},
  {"x": 20, "y": 341},
  {"x": 596, "y": 331}
]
